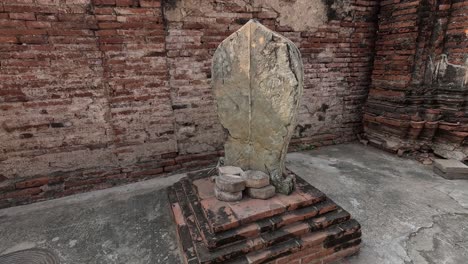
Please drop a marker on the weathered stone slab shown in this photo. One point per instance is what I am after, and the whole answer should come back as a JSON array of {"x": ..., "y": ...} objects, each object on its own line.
[
  {"x": 227, "y": 196},
  {"x": 232, "y": 170},
  {"x": 451, "y": 166},
  {"x": 451, "y": 175},
  {"x": 230, "y": 183},
  {"x": 262, "y": 193},
  {"x": 255, "y": 179},
  {"x": 257, "y": 78}
]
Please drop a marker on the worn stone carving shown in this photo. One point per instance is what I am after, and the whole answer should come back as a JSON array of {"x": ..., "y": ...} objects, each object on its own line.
[{"x": 257, "y": 77}]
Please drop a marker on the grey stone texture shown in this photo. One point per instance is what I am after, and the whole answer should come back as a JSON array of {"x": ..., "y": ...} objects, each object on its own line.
[
  {"x": 255, "y": 179},
  {"x": 451, "y": 169},
  {"x": 451, "y": 175},
  {"x": 257, "y": 78},
  {"x": 230, "y": 183},
  {"x": 451, "y": 165},
  {"x": 126, "y": 224},
  {"x": 262, "y": 193},
  {"x": 229, "y": 170},
  {"x": 227, "y": 196},
  {"x": 408, "y": 213}
]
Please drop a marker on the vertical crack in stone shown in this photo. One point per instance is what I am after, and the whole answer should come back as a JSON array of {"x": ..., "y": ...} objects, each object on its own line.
[{"x": 250, "y": 145}]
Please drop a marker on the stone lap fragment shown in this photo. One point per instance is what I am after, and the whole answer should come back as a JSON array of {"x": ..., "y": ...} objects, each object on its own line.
[
  {"x": 255, "y": 179},
  {"x": 227, "y": 196},
  {"x": 231, "y": 170},
  {"x": 230, "y": 183},
  {"x": 261, "y": 193}
]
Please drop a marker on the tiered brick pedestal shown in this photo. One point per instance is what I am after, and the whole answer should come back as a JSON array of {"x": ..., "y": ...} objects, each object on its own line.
[{"x": 304, "y": 227}]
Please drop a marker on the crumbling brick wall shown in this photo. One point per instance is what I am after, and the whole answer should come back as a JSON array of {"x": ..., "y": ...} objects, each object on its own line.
[
  {"x": 96, "y": 93},
  {"x": 418, "y": 96}
]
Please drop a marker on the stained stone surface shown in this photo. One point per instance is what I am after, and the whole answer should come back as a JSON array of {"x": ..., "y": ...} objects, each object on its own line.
[
  {"x": 257, "y": 78},
  {"x": 230, "y": 183},
  {"x": 232, "y": 170},
  {"x": 255, "y": 179},
  {"x": 227, "y": 196},
  {"x": 451, "y": 166},
  {"x": 261, "y": 193}
]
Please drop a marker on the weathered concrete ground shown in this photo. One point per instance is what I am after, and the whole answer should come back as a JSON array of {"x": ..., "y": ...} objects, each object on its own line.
[{"x": 408, "y": 214}]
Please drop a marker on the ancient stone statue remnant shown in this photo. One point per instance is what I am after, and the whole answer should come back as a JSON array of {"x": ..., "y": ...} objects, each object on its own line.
[
  {"x": 257, "y": 80},
  {"x": 257, "y": 77}
]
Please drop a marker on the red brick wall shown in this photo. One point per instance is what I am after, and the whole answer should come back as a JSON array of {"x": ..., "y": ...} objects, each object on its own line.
[
  {"x": 417, "y": 99},
  {"x": 96, "y": 93}
]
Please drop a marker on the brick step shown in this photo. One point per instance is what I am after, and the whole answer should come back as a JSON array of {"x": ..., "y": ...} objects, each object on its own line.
[
  {"x": 222, "y": 216},
  {"x": 216, "y": 240},
  {"x": 323, "y": 246},
  {"x": 195, "y": 251}
]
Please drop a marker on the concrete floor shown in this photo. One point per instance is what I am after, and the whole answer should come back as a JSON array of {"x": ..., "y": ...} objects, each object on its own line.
[{"x": 408, "y": 214}]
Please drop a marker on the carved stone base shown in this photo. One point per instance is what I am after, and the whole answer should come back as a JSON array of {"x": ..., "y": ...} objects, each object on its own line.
[{"x": 305, "y": 225}]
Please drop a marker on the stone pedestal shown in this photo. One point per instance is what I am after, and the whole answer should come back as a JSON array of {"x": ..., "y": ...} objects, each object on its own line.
[{"x": 304, "y": 225}]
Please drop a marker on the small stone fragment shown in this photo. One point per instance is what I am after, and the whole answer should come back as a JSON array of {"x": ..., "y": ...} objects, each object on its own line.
[
  {"x": 451, "y": 169},
  {"x": 255, "y": 179},
  {"x": 283, "y": 184},
  {"x": 427, "y": 161},
  {"x": 261, "y": 193},
  {"x": 230, "y": 183},
  {"x": 231, "y": 170},
  {"x": 228, "y": 196},
  {"x": 450, "y": 165},
  {"x": 400, "y": 152}
]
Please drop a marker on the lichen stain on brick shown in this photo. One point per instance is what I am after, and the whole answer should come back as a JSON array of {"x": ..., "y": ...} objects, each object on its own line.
[
  {"x": 170, "y": 4},
  {"x": 323, "y": 108},
  {"x": 223, "y": 215},
  {"x": 337, "y": 9}
]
